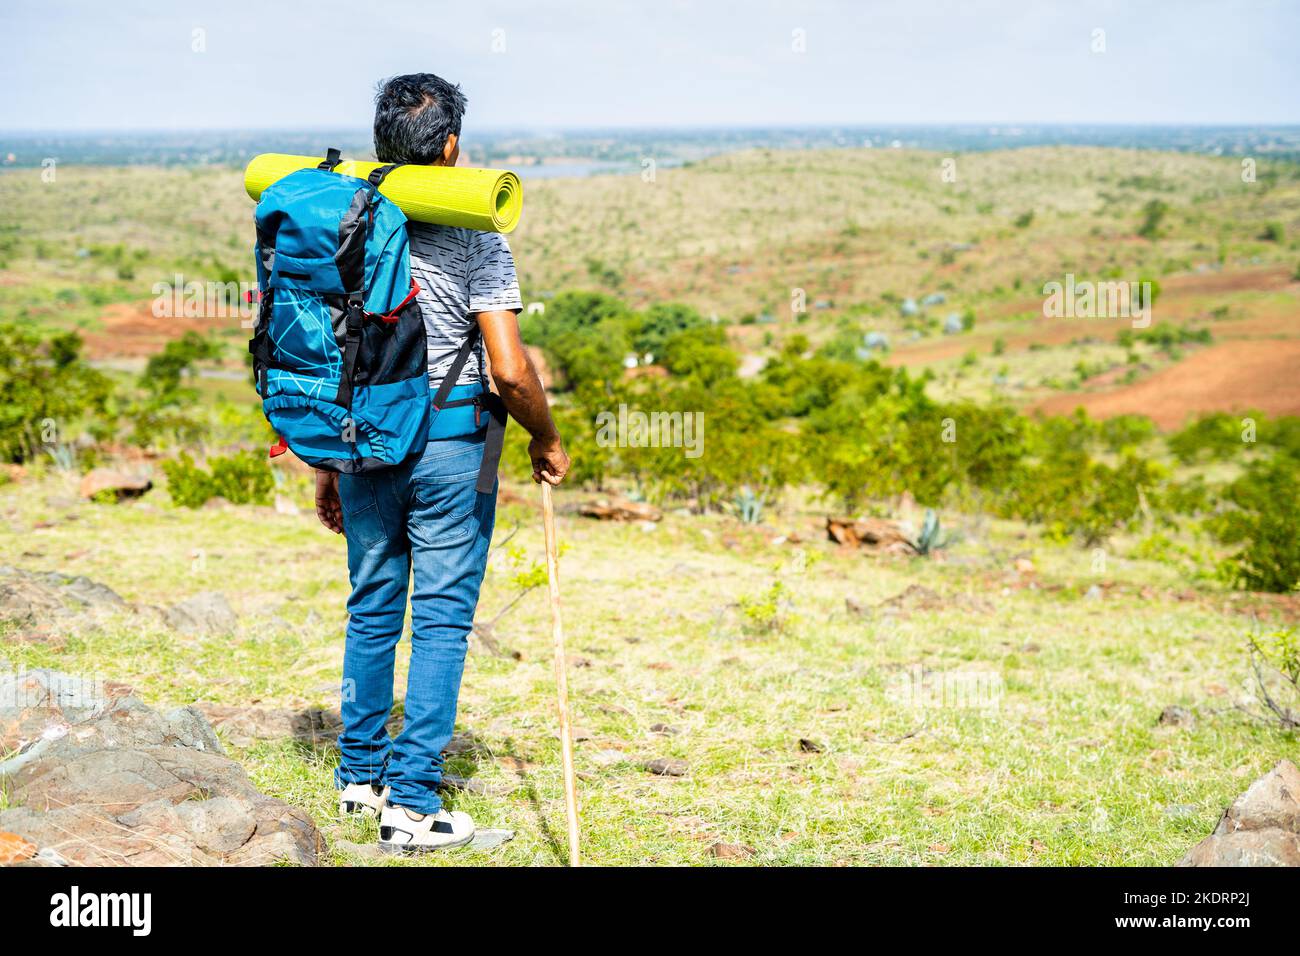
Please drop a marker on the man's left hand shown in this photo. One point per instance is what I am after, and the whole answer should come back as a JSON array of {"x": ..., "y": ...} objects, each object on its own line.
[{"x": 328, "y": 507}]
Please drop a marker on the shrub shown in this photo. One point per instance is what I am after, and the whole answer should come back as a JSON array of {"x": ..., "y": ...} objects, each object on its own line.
[
  {"x": 991, "y": 441},
  {"x": 589, "y": 359},
  {"x": 1153, "y": 214},
  {"x": 769, "y": 612},
  {"x": 1164, "y": 335},
  {"x": 1215, "y": 435},
  {"x": 1075, "y": 495},
  {"x": 740, "y": 447},
  {"x": 572, "y": 312},
  {"x": 241, "y": 478},
  {"x": 1264, "y": 520},
  {"x": 575, "y": 416},
  {"x": 701, "y": 354},
  {"x": 165, "y": 406},
  {"x": 660, "y": 323},
  {"x": 1189, "y": 497},
  {"x": 45, "y": 386},
  {"x": 805, "y": 385},
  {"x": 1126, "y": 431},
  {"x": 165, "y": 371},
  {"x": 1275, "y": 665},
  {"x": 865, "y": 446}
]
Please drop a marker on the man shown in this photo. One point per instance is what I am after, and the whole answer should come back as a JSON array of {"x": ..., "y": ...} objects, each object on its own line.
[{"x": 424, "y": 520}]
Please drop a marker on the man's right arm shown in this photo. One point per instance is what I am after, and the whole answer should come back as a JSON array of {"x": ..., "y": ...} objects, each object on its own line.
[{"x": 521, "y": 390}]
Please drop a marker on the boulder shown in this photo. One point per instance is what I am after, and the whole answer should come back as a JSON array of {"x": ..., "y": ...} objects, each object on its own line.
[
  {"x": 319, "y": 727},
  {"x": 1175, "y": 716},
  {"x": 101, "y": 779},
  {"x": 206, "y": 613},
  {"x": 244, "y": 726},
  {"x": 620, "y": 509},
  {"x": 14, "y": 849},
  {"x": 119, "y": 484},
  {"x": 1260, "y": 828},
  {"x": 667, "y": 767},
  {"x": 873, "y": 534},
  {"x": 27, "y": 597},
  {"x": 731, "y": 851}
]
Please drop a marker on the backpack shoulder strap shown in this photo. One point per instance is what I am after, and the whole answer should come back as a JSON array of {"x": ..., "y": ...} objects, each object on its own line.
[
  {"x": 453, "y": 374},
  {"x": 487, "y": 401},
  {"x": 332, "y": 158},
  {"x": 380, "y": 173}
]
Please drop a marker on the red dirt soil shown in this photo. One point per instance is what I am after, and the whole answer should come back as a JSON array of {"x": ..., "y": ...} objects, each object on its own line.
[
  {"x": 131, "y": 330},
  {"x": 1177, "y": 303},
  {"x": 1232, "y": 376}
]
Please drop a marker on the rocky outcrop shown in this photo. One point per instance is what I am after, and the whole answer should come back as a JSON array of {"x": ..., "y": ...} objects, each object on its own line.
[
  {"x": 1261, "y": 828},
  {"x": 245, "y": 726},
  {"x": 110, "y": 483},
  {"x": 206, "y": 613},
  {"x": 29, "y": 597},
  {"x": 871, "y": 534},
  {"x": 40, "y": 598},
  {"x": 619, "y": 509},
  {"x": 101, "y": 779}
]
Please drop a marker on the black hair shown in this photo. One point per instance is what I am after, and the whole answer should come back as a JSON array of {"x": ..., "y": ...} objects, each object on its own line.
[{"x": 414, "y": 115}]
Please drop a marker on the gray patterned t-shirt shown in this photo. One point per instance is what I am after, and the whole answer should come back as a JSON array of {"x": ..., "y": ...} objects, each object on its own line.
[{"x": 460, "y": 272}]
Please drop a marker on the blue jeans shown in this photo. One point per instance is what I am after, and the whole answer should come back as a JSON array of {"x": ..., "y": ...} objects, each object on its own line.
[{"x": 421, "y": 521}]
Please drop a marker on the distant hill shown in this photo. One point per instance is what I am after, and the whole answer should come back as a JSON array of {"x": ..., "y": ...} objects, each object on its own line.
[{"x": 831, "y": 244}]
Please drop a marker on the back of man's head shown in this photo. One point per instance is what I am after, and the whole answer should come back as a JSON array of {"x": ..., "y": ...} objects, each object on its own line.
[{"x": 414, "y": 115}]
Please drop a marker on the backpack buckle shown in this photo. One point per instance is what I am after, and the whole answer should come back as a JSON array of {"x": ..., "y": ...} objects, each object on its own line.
[{"x": 355, "y": 316}]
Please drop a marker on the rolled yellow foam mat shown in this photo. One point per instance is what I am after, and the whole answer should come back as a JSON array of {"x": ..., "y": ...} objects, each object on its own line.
[{"x": 489, "y": 200}]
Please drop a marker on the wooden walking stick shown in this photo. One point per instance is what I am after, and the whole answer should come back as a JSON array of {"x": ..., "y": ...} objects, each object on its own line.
[{"x": 561, "y": 673}]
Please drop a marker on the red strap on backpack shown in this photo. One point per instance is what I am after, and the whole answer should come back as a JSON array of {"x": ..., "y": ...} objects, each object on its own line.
[{"x": 391, "y": 316}]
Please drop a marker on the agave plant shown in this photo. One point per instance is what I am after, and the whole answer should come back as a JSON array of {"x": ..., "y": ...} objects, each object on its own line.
[
  {"x": 64, "y": 456},
  {"x": 932, "y": 536},
  {"x": 749, "y": 506}
]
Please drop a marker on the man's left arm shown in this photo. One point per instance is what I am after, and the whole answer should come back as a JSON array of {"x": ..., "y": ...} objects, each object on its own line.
[{"x": 522, "y": 392}]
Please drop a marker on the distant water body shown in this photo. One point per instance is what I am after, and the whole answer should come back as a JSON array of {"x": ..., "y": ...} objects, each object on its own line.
[
  {"x": 552, "y": 154},
  {"x": 571, "y": 170}
]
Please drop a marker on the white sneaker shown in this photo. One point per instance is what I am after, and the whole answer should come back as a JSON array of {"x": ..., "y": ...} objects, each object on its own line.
[
  {"x": 362, "y": 799},
  {"x": 401, "y": 831}
]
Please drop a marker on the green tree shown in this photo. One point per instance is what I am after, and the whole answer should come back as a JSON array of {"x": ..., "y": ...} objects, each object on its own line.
[
  {"x": 701, "y": 354},
  {"x": 662, "y": 321},
  {"x": 46, "y": 388},
  {"x": 1153, "y": 214},
  {"x": 165, "y": 407}
]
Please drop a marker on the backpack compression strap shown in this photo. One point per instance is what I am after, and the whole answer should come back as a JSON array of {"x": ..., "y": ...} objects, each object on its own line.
[{"x": 351, "y": 346}]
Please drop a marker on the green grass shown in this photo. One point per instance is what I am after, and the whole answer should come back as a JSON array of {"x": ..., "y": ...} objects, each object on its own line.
[{"x": 1068, "y": 767}]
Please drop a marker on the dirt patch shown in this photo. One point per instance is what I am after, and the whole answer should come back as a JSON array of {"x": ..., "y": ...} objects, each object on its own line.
[
  {"x": 131, "y": 330},
  {"x": 1177, "y": 303},
  {"x": 1231, "y": 376}
]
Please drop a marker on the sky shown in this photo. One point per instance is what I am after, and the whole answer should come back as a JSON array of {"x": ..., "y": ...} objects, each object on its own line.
[{"x": 535, "y": 64}]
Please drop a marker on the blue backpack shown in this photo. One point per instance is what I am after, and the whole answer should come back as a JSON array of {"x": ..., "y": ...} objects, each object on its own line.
[{"x": 339, "y": 347}]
